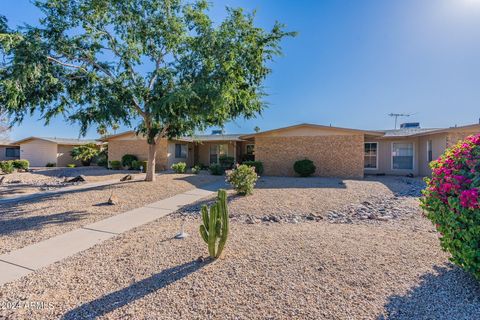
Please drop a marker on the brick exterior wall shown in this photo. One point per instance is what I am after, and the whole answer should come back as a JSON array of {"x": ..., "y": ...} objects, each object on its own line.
[
  {"x": 334, "y": 156},
  {"x": 118, "y": 148}
]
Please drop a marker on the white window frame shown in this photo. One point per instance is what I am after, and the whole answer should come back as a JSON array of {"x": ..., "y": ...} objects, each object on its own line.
[
  {"x": 376, "y": 164},
  {"x": 413, "y": 156}
]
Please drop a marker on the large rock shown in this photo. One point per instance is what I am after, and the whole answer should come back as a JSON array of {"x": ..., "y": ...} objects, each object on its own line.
[
  {"x": 80, "y": 178},
  {"x": 128, "y": 177},
  {"x": 113, "y": 200}
]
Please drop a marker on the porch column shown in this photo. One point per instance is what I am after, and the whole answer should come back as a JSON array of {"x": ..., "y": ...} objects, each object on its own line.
[{"x": 235, "y": 152}]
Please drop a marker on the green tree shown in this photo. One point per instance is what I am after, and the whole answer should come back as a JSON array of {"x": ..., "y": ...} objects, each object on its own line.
[
  {"x": 85, "y": 153},
  {"x": 256, "y": 129},
  {"x": 115, "y": 127},
  {"x": 102, "y": 130},
  {"x": 162, "y": 66}
]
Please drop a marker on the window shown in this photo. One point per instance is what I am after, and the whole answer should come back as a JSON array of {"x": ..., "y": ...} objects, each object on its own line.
[
  {"x": 223, "y": 150},
  {"x": 430, "y": 151},
  {"x": 12, "y": 152},
  {"x": 213, "y": 153},
  {"x": 370, "y": 155},
  {"x": 250, "y": 149},
  {"x": 180, "y": 150},
  {"x": 402, "y": 156},
  {"x": 216, "y": 151}
]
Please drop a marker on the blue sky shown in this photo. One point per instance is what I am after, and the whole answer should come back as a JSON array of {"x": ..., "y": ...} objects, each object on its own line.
[{"x": 352, "y": 63}]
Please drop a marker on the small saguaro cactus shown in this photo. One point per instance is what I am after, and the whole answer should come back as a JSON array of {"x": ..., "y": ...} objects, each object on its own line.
[{"x": 214, "y": 230}]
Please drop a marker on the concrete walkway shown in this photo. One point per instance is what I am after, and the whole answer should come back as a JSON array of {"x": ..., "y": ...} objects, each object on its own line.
[{"x": 16, "y": 264}]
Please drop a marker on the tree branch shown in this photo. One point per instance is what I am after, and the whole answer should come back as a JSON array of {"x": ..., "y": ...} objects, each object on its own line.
[{"x": 66, "y": 64}]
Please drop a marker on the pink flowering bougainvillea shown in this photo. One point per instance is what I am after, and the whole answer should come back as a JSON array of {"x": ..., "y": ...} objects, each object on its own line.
[{"x": 451, "y": 201}]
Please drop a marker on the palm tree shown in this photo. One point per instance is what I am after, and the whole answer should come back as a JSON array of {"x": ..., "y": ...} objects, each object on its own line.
[
  {"x": 115, "y": 127},
  {"x": 102, "y": 130}
]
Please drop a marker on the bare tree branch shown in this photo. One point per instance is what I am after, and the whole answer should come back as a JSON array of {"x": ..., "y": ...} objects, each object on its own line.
[{"x": 66, "y": 64}]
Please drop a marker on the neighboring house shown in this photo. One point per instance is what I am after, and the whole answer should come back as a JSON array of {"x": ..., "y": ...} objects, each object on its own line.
[
  {"x": 340, "y": 152},
  {"x": 40, "y": 151},
  {"x": 202, "y": 149},
  {"x": 9, "y": 151}
]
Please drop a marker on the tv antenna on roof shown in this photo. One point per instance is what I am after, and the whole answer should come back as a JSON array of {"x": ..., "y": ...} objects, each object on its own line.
[{"x": 396, "y": 115}]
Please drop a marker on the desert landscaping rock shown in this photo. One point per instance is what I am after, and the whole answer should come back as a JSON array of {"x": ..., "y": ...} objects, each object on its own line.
[
  {"x": 113, "y": 200},
  {"x": 308, "y": 269},
  {"x": 128, "y": 177},
  {"x": 271, "y": 271},
  {"x": 36, "y": 180},
  {"x": 80, "y": 178},
  {"x": 27, "y": 222},
  {"x": 373, "y": 200}
]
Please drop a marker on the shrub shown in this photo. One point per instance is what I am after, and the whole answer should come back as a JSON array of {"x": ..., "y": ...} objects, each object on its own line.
[
  {"x": 196, "y": 169},
  {"x": 7, "y": 167},
  {"x": 102, "y": 157},
  {"x": 242, "y": 179},
  {"x": 226, "y": 162},
  {"x": 21, "y": 164},
  {"x": 127, "y": 160},
  {"x": 102, "y": 162},
  {"x": 180, "y": 167},
  {"x": 115, "y": 165},
  {"x": 304, "y": 168},
  {"x": 140, "y": 164},
  {"x": 216, "y": 169},
  {"x": 451, "y": 201},
  {"x": 50, "y": 164},
  {"x": 71, "y": 165},
  {"x": 85, "y": 153},
  {"x": 258, "y": 165}
]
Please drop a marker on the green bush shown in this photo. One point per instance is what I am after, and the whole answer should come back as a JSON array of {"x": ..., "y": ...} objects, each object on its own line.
[
  {"x": 6, "y": 167},
  {"x": 452, "y": 202},
  {"x": 136, "y": 164},
  {"x": 115, "y": 165},
  {"x": 226, "y": 162},
  {"x": 180, "y": 167},
  {"x": 21, "y": 164},
  {"x": 85, "y": 153},
  {"x": 127, "y": 160},
  {"x": 102, "y": 157},
  {"x": 50, "y": 164},
  {"x": 102, "y": 162},
  {"x": 258, "y": 165},
  {"x": 196, "y": 169},
  {"x": 216, "y": 169},
  {"x": 71, "y": 165},
  {"x": 242, "y": 179},
  {"x": 304, "y": 168}
]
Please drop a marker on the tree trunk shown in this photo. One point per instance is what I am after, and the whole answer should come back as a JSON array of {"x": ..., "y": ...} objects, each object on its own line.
[{"x": 152, "y": 152}]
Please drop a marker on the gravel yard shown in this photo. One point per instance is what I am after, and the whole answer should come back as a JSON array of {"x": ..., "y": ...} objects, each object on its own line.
[
  {"x": 280, "y": 268},
  {"x": 30, "y": 221},
  {"x": 22, "y": 183}
]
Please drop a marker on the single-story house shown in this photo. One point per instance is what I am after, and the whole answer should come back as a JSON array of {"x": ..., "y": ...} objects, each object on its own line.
[
  {"x": 340, "y": 152},
  {"x": 9, "y": 151},
  {"x": 40, "y": 151}
]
